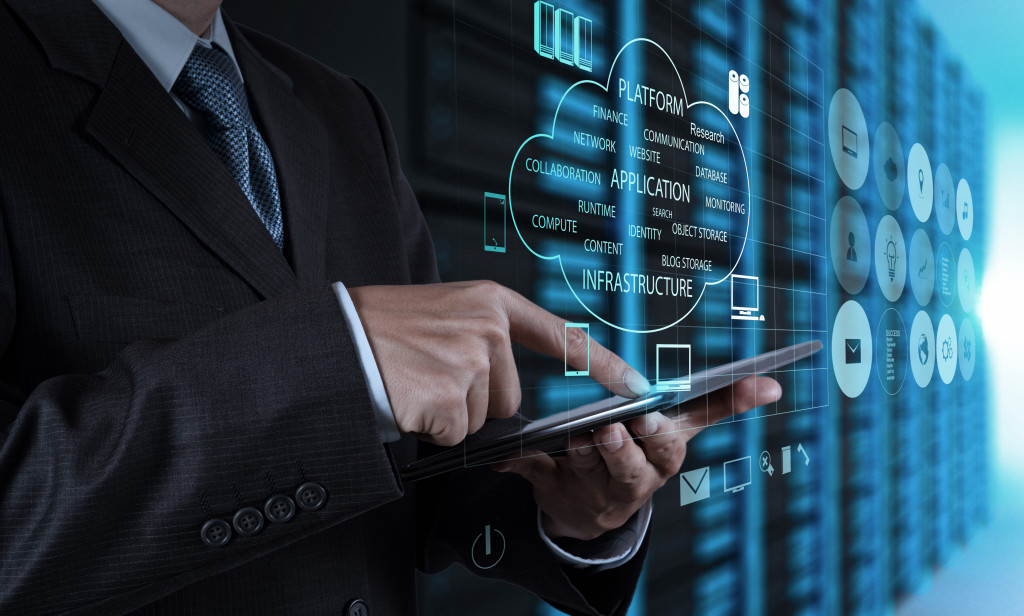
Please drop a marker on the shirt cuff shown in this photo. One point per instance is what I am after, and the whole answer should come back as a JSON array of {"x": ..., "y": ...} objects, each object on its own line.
[
  {"x": 378, "y": 395},
  {"x": 608, "y": 551}
]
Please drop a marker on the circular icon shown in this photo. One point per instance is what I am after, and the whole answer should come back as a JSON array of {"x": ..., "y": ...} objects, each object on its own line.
[
  {"x": 891, "y": 351},
  {"x": 965, "y": 209},
  {"x": 765, "y": 461},
  {"x": 851, "y": 245},
  {"x": 921, "y": 267},
  {"x": 945, "y": 274},
  {"x": 848, "y": 138},
  {"x": 488, "y": 548},
  {"x": 968, "y": 348},
  {"x": 922, "y": 349},
  {"x": 851, "y": 349},
  {"x": 890, "y": 258},
  {"x": 965, "y": 280},
  {"x": 890, "y": 168},
  {"x": 919, "y": 182},
  {"x": 945, "y": 199},
  {"x": 945, "y": 348}
]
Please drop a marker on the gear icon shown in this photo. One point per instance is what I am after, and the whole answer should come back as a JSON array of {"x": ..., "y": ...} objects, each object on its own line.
[{"x": 948, "y": 350}]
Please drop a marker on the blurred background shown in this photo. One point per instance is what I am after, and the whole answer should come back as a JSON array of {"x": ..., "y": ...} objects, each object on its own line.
[
  {"x": 914, "y": 500},
  {"x": 983, "y": 576}
]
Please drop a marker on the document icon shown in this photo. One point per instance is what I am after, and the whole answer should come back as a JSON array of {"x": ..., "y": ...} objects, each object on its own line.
[
  {"x": 853, "y": 350},
  {"x": 694, "y": 486}
]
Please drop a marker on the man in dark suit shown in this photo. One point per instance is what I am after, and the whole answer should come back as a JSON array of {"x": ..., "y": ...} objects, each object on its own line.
[{"x": 193, "y": 418}]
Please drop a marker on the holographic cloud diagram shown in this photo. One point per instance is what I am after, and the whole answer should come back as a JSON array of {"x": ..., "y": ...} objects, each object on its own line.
[{"x": 650, "y": 192}]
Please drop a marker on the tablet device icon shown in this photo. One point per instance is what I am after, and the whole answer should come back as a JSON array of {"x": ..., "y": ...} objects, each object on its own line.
[{"x": 672, "y": 366}]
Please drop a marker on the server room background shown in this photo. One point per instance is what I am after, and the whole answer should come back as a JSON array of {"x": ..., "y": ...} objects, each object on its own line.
[{"x": 912, "y": 502}]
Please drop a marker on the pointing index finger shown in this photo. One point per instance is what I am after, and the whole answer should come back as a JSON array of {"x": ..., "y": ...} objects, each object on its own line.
[{"x": 539, "y": 330}]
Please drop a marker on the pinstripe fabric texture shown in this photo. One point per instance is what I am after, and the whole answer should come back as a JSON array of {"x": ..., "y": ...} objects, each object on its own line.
[{"x": 209, "y": 83}]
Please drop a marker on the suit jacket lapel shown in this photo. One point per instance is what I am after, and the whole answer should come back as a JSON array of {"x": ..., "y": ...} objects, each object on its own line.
[
  {"x": 300, "y": 150},
  {"x": 139, "y": 124},
  {"x": 142, "y": 127}
]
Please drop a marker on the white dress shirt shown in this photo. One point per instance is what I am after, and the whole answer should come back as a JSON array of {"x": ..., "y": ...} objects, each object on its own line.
[{"x": 165, "y": 44}]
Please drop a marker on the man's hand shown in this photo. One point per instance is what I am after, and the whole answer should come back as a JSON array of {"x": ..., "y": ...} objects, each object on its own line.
[
  {"x": 445, "y": 353},
  {"x": 605, "y": 478}
]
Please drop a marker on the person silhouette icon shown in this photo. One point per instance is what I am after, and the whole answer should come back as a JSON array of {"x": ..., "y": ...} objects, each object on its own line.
[{"x": 851, "y": 252}]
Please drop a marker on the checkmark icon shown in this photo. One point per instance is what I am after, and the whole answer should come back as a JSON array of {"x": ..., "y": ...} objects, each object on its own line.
[{"x": 694, "y": 486}]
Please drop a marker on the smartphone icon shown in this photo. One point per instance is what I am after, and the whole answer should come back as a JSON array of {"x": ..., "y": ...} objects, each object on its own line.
[
  {"x": 571, "y": 370},
  {"x": 494, "y": 222}
]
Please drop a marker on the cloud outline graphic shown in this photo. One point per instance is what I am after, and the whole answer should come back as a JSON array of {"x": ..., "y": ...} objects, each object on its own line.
[{"x": 554, "y": 122}]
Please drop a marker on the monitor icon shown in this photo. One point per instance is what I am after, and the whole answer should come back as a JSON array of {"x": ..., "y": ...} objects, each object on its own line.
[
  {"x": 849, "y": 141},
  {"x": 745, "y": 301},
  {"x": 737, "y": 474}
]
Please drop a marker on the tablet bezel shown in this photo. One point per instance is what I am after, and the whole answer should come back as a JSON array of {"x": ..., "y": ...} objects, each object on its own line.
[{"x": 551, "y": 433}]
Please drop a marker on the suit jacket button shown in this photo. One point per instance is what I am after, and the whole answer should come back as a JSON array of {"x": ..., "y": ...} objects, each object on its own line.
[
  {"x": 311, "y": 496},
  {"x": 279, "y": 508},
  {"x": 357, "y": 607},
  {"x": 215, "y": 533},
  {"x": 248, "y": 521}
]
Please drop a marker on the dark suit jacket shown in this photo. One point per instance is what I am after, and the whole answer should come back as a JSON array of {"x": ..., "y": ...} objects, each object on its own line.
[{"x": 163, "y": 364}]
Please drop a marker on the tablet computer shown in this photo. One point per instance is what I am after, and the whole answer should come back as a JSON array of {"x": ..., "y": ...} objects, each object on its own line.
[{"x": 499, "y": 438}]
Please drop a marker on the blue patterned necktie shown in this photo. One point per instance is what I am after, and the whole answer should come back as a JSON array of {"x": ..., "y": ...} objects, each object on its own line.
[{"x": 210, "y": 84}]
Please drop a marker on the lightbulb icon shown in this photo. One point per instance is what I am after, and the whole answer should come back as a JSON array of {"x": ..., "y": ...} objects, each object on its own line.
[{"x": 890, "y": 255}]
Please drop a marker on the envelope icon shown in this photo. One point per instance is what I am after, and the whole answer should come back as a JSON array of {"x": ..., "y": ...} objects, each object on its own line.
[
  {"x": 694, "y": 485},
  {"x": 853, "y": 350}
]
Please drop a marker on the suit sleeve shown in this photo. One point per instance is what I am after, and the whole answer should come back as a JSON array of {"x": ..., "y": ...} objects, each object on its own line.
[
  {"x": 106, "y": 479},
  {"x": 452, "y": 509},
  {"x": 419, "y": 247}
]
